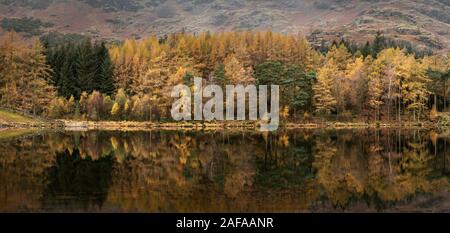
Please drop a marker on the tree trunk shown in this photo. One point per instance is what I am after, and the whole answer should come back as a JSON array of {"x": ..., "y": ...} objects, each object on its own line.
[
  {"x": 435, "y": 102},
  {"x": 376, "y": 113},
  {"x": 399, "y": 109},
  {"x": 444, "y": 94},
  {"x": 389, "y": 98},
  {"x": 418, "y": 115}
]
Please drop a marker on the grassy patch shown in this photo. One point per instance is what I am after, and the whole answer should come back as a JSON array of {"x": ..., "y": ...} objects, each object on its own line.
[
  {"x": 9, "y": 117},
  {"x": 14, "y": 133}
]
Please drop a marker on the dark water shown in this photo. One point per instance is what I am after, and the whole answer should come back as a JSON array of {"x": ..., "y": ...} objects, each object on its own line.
[{"x": 231, "y": 171}]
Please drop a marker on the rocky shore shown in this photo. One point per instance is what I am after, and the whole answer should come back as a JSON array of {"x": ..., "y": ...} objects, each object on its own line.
[
  {"x": 79, "y": 125},
  {"x": 72, "y": 125}
]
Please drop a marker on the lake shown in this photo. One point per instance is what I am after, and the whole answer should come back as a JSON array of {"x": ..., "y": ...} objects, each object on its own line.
[{"x": 304, "y": 170}]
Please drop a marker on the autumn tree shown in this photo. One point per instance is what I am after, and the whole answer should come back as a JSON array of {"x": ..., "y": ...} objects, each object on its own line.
[
  {"x": 438, "y": 71},
  {"x": 25, "y": 76},
  {"x": 415, "y": 93},
  {"x": 236, "y": 72},
  {"x": 375, "y": 87},
  {"x": 324, "y": 100}
]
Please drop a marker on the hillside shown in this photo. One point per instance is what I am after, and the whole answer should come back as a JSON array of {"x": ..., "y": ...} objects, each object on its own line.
[{"x": 425, "y": 23}]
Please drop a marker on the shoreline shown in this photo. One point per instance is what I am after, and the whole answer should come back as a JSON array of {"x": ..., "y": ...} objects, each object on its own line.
[{"x": 79, "y": 125}]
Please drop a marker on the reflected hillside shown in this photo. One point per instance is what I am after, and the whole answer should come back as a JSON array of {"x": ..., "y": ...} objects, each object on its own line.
[{"x": 231, "y": 171}]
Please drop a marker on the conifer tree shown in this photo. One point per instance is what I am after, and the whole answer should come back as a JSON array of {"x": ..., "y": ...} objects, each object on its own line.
[
  {"x": 67, "y": 81},
  {"x": 270, "y": 72},
  {"x": 24, "y": 75},
  {"x": 219, "y": 76},
  {"x": 39, "y": 93},
  {"x": 323, "y": 89},
  {"x": 85, "y": 66},
  {"x": 297, "y": 86},
  {"x": 104, "y": 75},
  {"x": 236, "y": 72}
]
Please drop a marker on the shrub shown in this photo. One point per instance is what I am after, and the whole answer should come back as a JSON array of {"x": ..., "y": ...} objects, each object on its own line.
[{"x": 29, "y": 26}]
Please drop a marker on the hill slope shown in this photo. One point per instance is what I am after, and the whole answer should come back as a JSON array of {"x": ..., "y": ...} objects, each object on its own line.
[
  {"x": 422, "y": 22},
  {"x": 9, "y": 117}
]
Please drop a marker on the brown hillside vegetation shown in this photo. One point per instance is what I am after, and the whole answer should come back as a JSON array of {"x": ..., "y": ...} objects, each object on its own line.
[{"x": 422, "y": 22}]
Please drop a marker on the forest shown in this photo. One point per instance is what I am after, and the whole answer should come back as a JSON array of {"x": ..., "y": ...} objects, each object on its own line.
[{"x": 380, "y": 81}]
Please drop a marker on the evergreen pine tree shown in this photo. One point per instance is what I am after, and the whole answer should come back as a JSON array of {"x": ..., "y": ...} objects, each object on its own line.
[
  {"x": 219, "y": 76},
  {"x": 85, "y": 66},
  {"x": 103, "y": 81},
  {"x": 67, "y": 82}
]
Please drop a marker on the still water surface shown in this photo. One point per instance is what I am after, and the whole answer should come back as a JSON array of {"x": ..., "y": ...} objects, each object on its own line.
[{"x": 386, "y": 170}]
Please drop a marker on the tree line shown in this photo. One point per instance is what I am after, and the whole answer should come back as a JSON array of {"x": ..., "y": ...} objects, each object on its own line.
[
  {"x": 132, "y": 80},
  {"x": 80, "y": 66}
]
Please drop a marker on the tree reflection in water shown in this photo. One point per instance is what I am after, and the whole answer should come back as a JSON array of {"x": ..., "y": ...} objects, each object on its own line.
[
  {"x": 73, "y": 180},
  {"x": 229, "y": 171}
]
